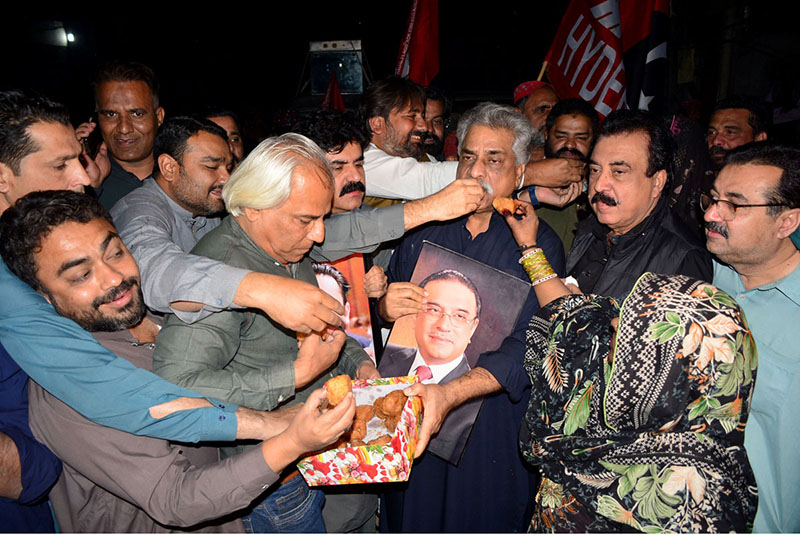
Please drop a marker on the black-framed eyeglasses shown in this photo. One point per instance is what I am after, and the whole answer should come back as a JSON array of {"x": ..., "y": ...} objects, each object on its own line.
[{"x": 727, "y": 209}]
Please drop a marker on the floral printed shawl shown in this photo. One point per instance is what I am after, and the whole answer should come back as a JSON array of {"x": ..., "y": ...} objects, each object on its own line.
[{"x": 652, "y": 441}]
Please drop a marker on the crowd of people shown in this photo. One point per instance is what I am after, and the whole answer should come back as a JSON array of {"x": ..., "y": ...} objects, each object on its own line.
[{"x": 164, "y": 342}]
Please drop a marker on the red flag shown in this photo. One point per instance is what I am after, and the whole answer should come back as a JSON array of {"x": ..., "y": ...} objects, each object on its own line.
[
  {"x": 611, "y": 53},
  {"x": 333, "y": 96},
  {"x": 419, "y": 52}
]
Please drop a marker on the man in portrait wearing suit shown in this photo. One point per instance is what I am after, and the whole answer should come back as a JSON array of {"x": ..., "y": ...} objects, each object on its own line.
[{"x": 443, "y": 330}]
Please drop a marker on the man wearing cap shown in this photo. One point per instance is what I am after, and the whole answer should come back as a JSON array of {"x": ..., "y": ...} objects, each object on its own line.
[{"x": 535, "y": 99}]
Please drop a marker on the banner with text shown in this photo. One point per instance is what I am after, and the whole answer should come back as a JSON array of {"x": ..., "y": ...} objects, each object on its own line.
[{"x": 612, "y": 53}]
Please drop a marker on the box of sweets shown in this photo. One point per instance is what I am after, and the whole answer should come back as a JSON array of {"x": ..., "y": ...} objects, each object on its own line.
[{"x": 361, "y": 462}]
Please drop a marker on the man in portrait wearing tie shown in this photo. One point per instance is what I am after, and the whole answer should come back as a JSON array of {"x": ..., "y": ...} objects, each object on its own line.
[{"x": 443, "y": 330}]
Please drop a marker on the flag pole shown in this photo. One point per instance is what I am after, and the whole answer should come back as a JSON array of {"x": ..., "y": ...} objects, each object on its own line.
[{"x": 541, "y": 72}]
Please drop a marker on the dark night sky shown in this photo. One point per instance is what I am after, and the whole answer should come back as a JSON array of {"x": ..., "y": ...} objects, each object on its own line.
[
  {"x": 253, "y": 59},
  {"x": 256, "y": 59}
]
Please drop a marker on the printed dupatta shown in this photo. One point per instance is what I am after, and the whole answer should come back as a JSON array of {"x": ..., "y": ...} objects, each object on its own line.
[{"x": 651, "y": 439}]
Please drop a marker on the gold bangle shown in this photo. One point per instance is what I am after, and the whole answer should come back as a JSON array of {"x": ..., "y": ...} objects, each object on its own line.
[{"x": 536, "y": 266}]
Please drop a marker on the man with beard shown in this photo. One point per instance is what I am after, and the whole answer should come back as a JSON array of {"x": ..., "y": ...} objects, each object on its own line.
[
  {"x": 570, "y": 129},
  {"x": 571, "y": 126},
  {"x": 437, "y": 110},
  {"x": 39, "y": 151},
  {"x": 393, "y": 110},
  {"x": 735, "y": 122},
  {"x": 631, "y": 230},
  {"x": 751, "y": 214},
  {"x": 64, "y": 244}
]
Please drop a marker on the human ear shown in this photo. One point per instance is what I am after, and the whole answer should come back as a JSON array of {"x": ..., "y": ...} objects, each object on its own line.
[
  {"x": 251, "y": 214},
  {"x": 169, "y": 167},
  {"x": 659, "y": 181},
  {"x": 377, "y": 125},
  {"x": 789, "y": 221},
  {"x": 6, "y": 178}
]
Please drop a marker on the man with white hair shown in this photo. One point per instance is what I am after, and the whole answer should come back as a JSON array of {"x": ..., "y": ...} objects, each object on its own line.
[
  {"x": 440, "y": 497},
  {"x": 162, "y": 220},
  {"x": 276, "y": 200}
]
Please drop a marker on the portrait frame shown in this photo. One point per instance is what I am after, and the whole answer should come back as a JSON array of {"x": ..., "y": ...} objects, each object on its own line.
[{"x": 502, "y": 297}]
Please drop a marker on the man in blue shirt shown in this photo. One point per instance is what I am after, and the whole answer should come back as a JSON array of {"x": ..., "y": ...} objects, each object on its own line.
[{"x": 751, "y": 213}]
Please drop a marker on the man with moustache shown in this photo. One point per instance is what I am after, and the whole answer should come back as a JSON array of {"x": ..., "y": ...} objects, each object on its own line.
[
  {"x": 393, "y": 110},
  {"x": 439, "y": 496},
  {"x": 752, "y": 213},
  {"x": 128, "y": 115},
  {"x": 631, "y": 230},
  {"x": 65, "y": 245},
  {"x": 736, "y": 121},
  {"x": 443, "y": 330},
  {"x": 161, "y": 221},
  {"x": 535, "y": 100},
  {"x": 570, "y": 129},
  {"x": 345, "y": 143},
  {"x": 437, "y": 111}
]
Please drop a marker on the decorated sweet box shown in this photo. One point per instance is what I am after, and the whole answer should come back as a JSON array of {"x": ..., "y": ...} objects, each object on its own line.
[{"x": 379, "y": 463}]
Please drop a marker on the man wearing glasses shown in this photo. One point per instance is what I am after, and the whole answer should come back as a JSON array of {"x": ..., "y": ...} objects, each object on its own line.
[
  {"x": 443, "y": 330},
  {"x": 751, "y": 214}
]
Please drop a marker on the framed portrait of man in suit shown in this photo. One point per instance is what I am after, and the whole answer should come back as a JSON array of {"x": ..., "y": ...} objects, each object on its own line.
[{"x": 470, "y": 309}]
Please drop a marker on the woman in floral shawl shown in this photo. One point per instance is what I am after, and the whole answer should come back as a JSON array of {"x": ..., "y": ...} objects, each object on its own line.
[{"x": 641, "y": 429}]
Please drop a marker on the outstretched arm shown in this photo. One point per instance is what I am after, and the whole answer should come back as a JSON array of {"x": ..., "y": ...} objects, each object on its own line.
[{"x": 65, "y": 359}]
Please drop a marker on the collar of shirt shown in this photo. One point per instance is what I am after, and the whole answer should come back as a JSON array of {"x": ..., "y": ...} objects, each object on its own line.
[
  {"x": 726, "y": 277},
  {"x": 438, "y": 371}
]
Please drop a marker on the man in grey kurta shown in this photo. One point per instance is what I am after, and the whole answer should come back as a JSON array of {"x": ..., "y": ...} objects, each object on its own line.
[
  {"x": 277, "y": 199},
  {"x": 161, "y": 222}
]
